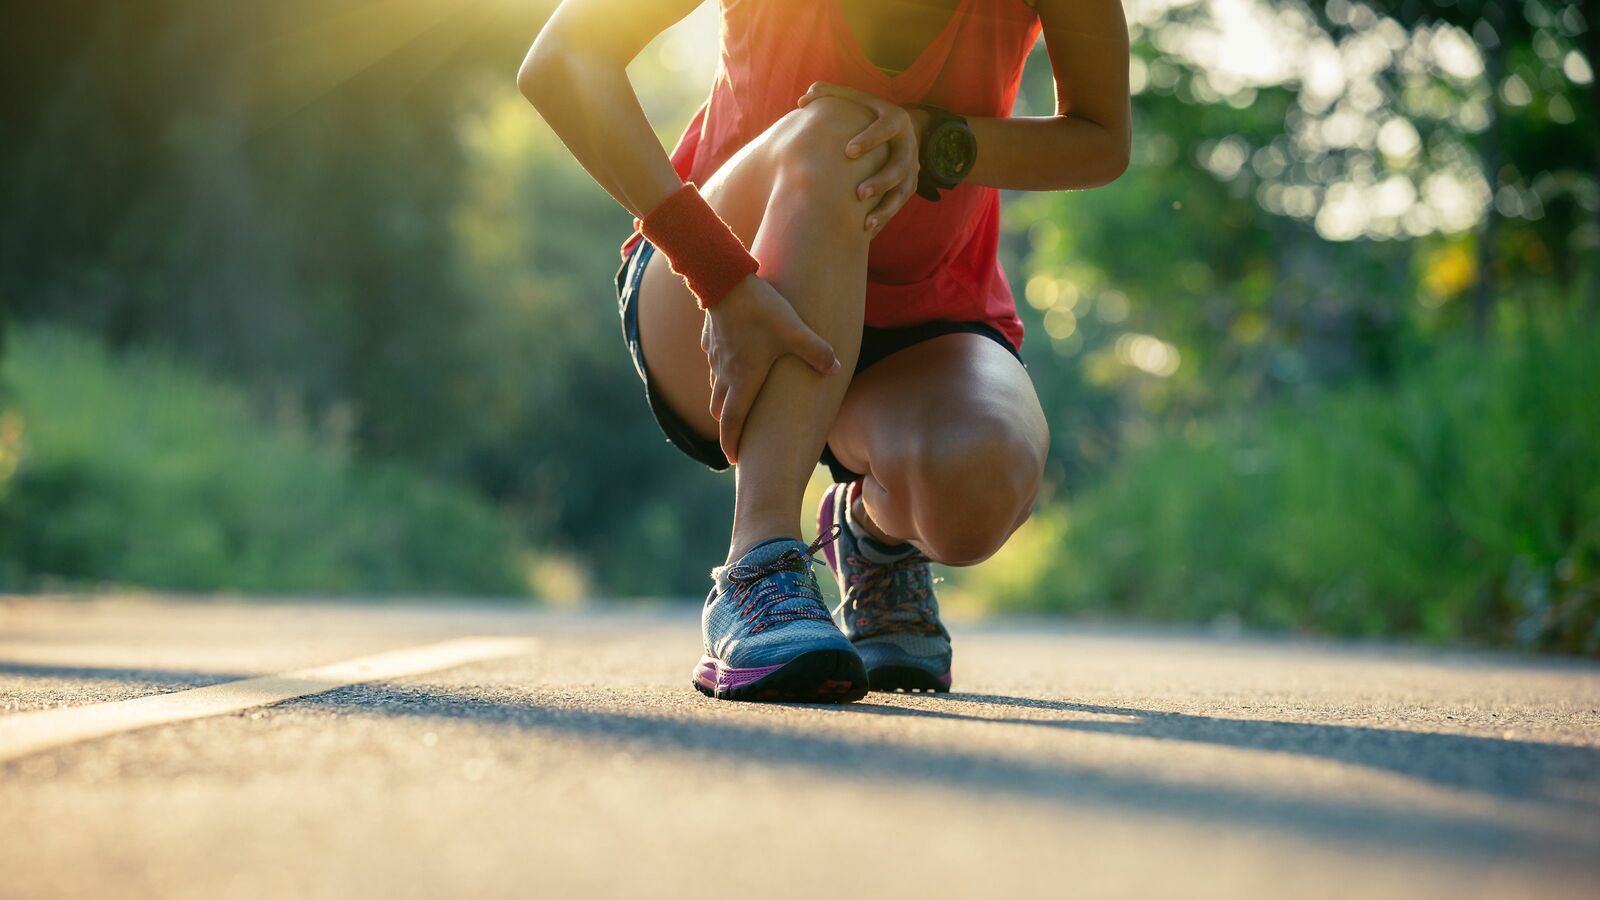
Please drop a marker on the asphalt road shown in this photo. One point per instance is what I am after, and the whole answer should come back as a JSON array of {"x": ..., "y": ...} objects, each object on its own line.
[{"x": 579, "y": 762}]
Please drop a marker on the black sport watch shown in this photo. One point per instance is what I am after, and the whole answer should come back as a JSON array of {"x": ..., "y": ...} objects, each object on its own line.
[{"x": 946, "y": 153}]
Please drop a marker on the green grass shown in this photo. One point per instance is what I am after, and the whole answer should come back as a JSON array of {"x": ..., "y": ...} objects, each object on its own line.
[
  {"x": 132, "y": 471},
  {"x": 1459, "y": 505}
]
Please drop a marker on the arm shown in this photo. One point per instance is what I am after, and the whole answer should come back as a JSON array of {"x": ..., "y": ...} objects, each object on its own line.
[
  {"x": 576, "y": 76},
  {"x": 1086, "y": 143}
]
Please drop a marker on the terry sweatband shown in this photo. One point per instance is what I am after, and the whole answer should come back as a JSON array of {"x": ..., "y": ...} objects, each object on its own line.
[{"x": 698, "y": 245}]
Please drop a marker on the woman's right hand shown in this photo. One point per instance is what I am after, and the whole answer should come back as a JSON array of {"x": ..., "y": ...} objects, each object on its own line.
[{"x": 744, "y": 334}]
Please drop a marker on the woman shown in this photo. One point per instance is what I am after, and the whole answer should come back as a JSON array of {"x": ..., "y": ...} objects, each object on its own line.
[{"x": 856, "y": 148}]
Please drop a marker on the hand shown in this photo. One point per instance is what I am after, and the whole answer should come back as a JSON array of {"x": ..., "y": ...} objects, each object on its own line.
[
  {"x": 897, "y": 126},
  {"x": 743, "y": 335}
]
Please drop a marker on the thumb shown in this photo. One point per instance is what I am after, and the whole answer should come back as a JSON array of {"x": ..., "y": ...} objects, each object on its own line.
[
  {"x": 804, "y": 343},
  {"x": 818, "y": 89}
]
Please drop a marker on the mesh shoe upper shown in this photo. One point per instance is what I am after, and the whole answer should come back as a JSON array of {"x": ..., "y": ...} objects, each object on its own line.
[
  {"x": 767, "y": 608},
  {"x": 888, "y": 608}
]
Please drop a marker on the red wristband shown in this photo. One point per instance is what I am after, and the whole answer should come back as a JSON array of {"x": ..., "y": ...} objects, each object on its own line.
[{"x": 698, "y": 245}]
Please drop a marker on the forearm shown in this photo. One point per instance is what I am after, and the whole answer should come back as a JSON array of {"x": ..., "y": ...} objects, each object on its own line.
[
  {"x": 1085, "y": 144},
  {"x": 1047, "y": 153},
  {"x": 590, "y": 104}
]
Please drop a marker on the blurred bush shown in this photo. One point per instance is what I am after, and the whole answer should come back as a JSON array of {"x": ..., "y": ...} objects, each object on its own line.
[
  {"x": 346, "y": 209},
  {"x": 1462, "y": 503},
  {"x": 343, "y": 211},
  {"x": 137, "y": 471}
]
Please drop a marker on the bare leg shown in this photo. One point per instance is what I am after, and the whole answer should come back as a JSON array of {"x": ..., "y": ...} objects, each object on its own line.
[
  {"x": 790, "y": 195},
  {"x": 952, "y": 440},
  {"x": 820, "y": 256}
]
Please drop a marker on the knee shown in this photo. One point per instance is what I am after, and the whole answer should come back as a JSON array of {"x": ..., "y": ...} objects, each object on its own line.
[
  {"x": 973, "y": 486},
  {"x": 809, "y": 151}
]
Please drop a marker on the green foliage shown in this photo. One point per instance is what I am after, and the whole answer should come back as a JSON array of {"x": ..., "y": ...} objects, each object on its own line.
[
  {"x": 550, "y": 415},
  {"x": 346, "y": 208},
  {"x": 344, "y": 211},
  {"x": 1463, "y": 504},
  {"x": 137, "y": 471}
]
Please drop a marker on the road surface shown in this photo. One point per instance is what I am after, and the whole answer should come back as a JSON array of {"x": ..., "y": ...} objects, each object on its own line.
[{"x": 159, "y": 748}]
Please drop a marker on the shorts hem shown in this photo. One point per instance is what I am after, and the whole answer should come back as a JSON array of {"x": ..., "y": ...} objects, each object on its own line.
[{"x": 877, "y": 344}]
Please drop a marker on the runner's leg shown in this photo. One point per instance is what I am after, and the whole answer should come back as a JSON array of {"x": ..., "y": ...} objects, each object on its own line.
[
  {"x": 789, "y": 195},
  {"x": 952, "y": 440}
]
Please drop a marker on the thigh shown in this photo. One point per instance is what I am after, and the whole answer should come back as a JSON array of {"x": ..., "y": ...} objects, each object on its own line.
[{"x": 952, "y": 391}]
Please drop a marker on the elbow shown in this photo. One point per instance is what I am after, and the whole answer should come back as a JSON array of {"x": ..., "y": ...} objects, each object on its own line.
[
  {"x": 1100, "y": 155},
  {"x": 1116, "y": 164},
  {"x": 526, "y": 79},
  {"x": 1111, "y": 168},
  {"x": 544, "y": 69},
  {"x": 535, "y": 74},
  {"x": 553, "y": 70},
  {"x": 1118, "y": 152},
  {"x": 1101, "y": 171}
]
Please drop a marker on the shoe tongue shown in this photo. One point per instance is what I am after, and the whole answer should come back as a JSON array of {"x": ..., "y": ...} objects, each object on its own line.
[
  {"x": 759, "y": 555},
  {"x": 766, "y": 552}
]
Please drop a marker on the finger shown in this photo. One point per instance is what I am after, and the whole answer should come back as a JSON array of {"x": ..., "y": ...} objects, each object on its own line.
[
  {"x": 879, "y": 132},
  {"x": 889, "y": 207},
  {"x": 904, "y": 153},
  {"x": 901, "y": 165},
  {"x": 817, "y": 353},
  {"x": 731, "y": 424},
  {"x": 719, "y": 397},
  {"x": 883, "y": 180},
  {"x": 902, "y": 159},
  {"x": 886, "y": 209},
  {"x": 891, "y": 203},
  {"x": 828, "y": 89}
]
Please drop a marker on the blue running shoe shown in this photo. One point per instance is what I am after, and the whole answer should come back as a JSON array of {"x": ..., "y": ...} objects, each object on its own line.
[
  {"x": 888, "y": 610},
  {"x": 768, "y": 634}
]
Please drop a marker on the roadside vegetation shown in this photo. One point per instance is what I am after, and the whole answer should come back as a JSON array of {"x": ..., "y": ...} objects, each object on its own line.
[
  {"x": 1460, "y": 504},
  {"x": 134, "y": 471},
  {"x": 303, "y": 297}
]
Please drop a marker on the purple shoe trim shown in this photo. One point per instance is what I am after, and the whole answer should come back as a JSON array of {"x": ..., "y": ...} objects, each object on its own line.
[
  {"x": 705, "y": 673},
  {"x": 826, "y": 516},
  {"x": 711, "y": 673},
  {"x": 944, "y": 679}
]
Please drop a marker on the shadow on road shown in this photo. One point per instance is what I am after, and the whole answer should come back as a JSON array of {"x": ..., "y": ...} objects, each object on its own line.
[
  {"x": 1507, "y": 769},
  {"x": 1532, "y": 774},
  {"x": 173, "y": 678}
]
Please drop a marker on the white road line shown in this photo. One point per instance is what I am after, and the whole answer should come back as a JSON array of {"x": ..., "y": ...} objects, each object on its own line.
[{"x": 31, "y": 732}]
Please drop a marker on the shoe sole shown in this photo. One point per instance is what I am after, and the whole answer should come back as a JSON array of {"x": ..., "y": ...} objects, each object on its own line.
[
  {"x": 908, "y": 679},
  {"x": 820, "y": 676}
]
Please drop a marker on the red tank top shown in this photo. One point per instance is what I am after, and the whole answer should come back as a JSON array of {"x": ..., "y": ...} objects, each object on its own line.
[{"x": 933, "y": 261}]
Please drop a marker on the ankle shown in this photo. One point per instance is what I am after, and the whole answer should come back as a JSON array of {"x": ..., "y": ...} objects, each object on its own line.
[{"x": 741, "y": 545}]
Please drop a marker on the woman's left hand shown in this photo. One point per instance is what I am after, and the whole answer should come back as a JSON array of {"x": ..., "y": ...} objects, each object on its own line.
[{"x": 896, "y": 126}]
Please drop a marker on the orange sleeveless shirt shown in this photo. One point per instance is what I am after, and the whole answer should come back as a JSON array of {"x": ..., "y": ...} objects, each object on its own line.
[{"x": 933, "y": 261}]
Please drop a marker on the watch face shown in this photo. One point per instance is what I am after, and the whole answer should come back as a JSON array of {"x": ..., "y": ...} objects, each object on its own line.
[{"x": 950, "y": 152}]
